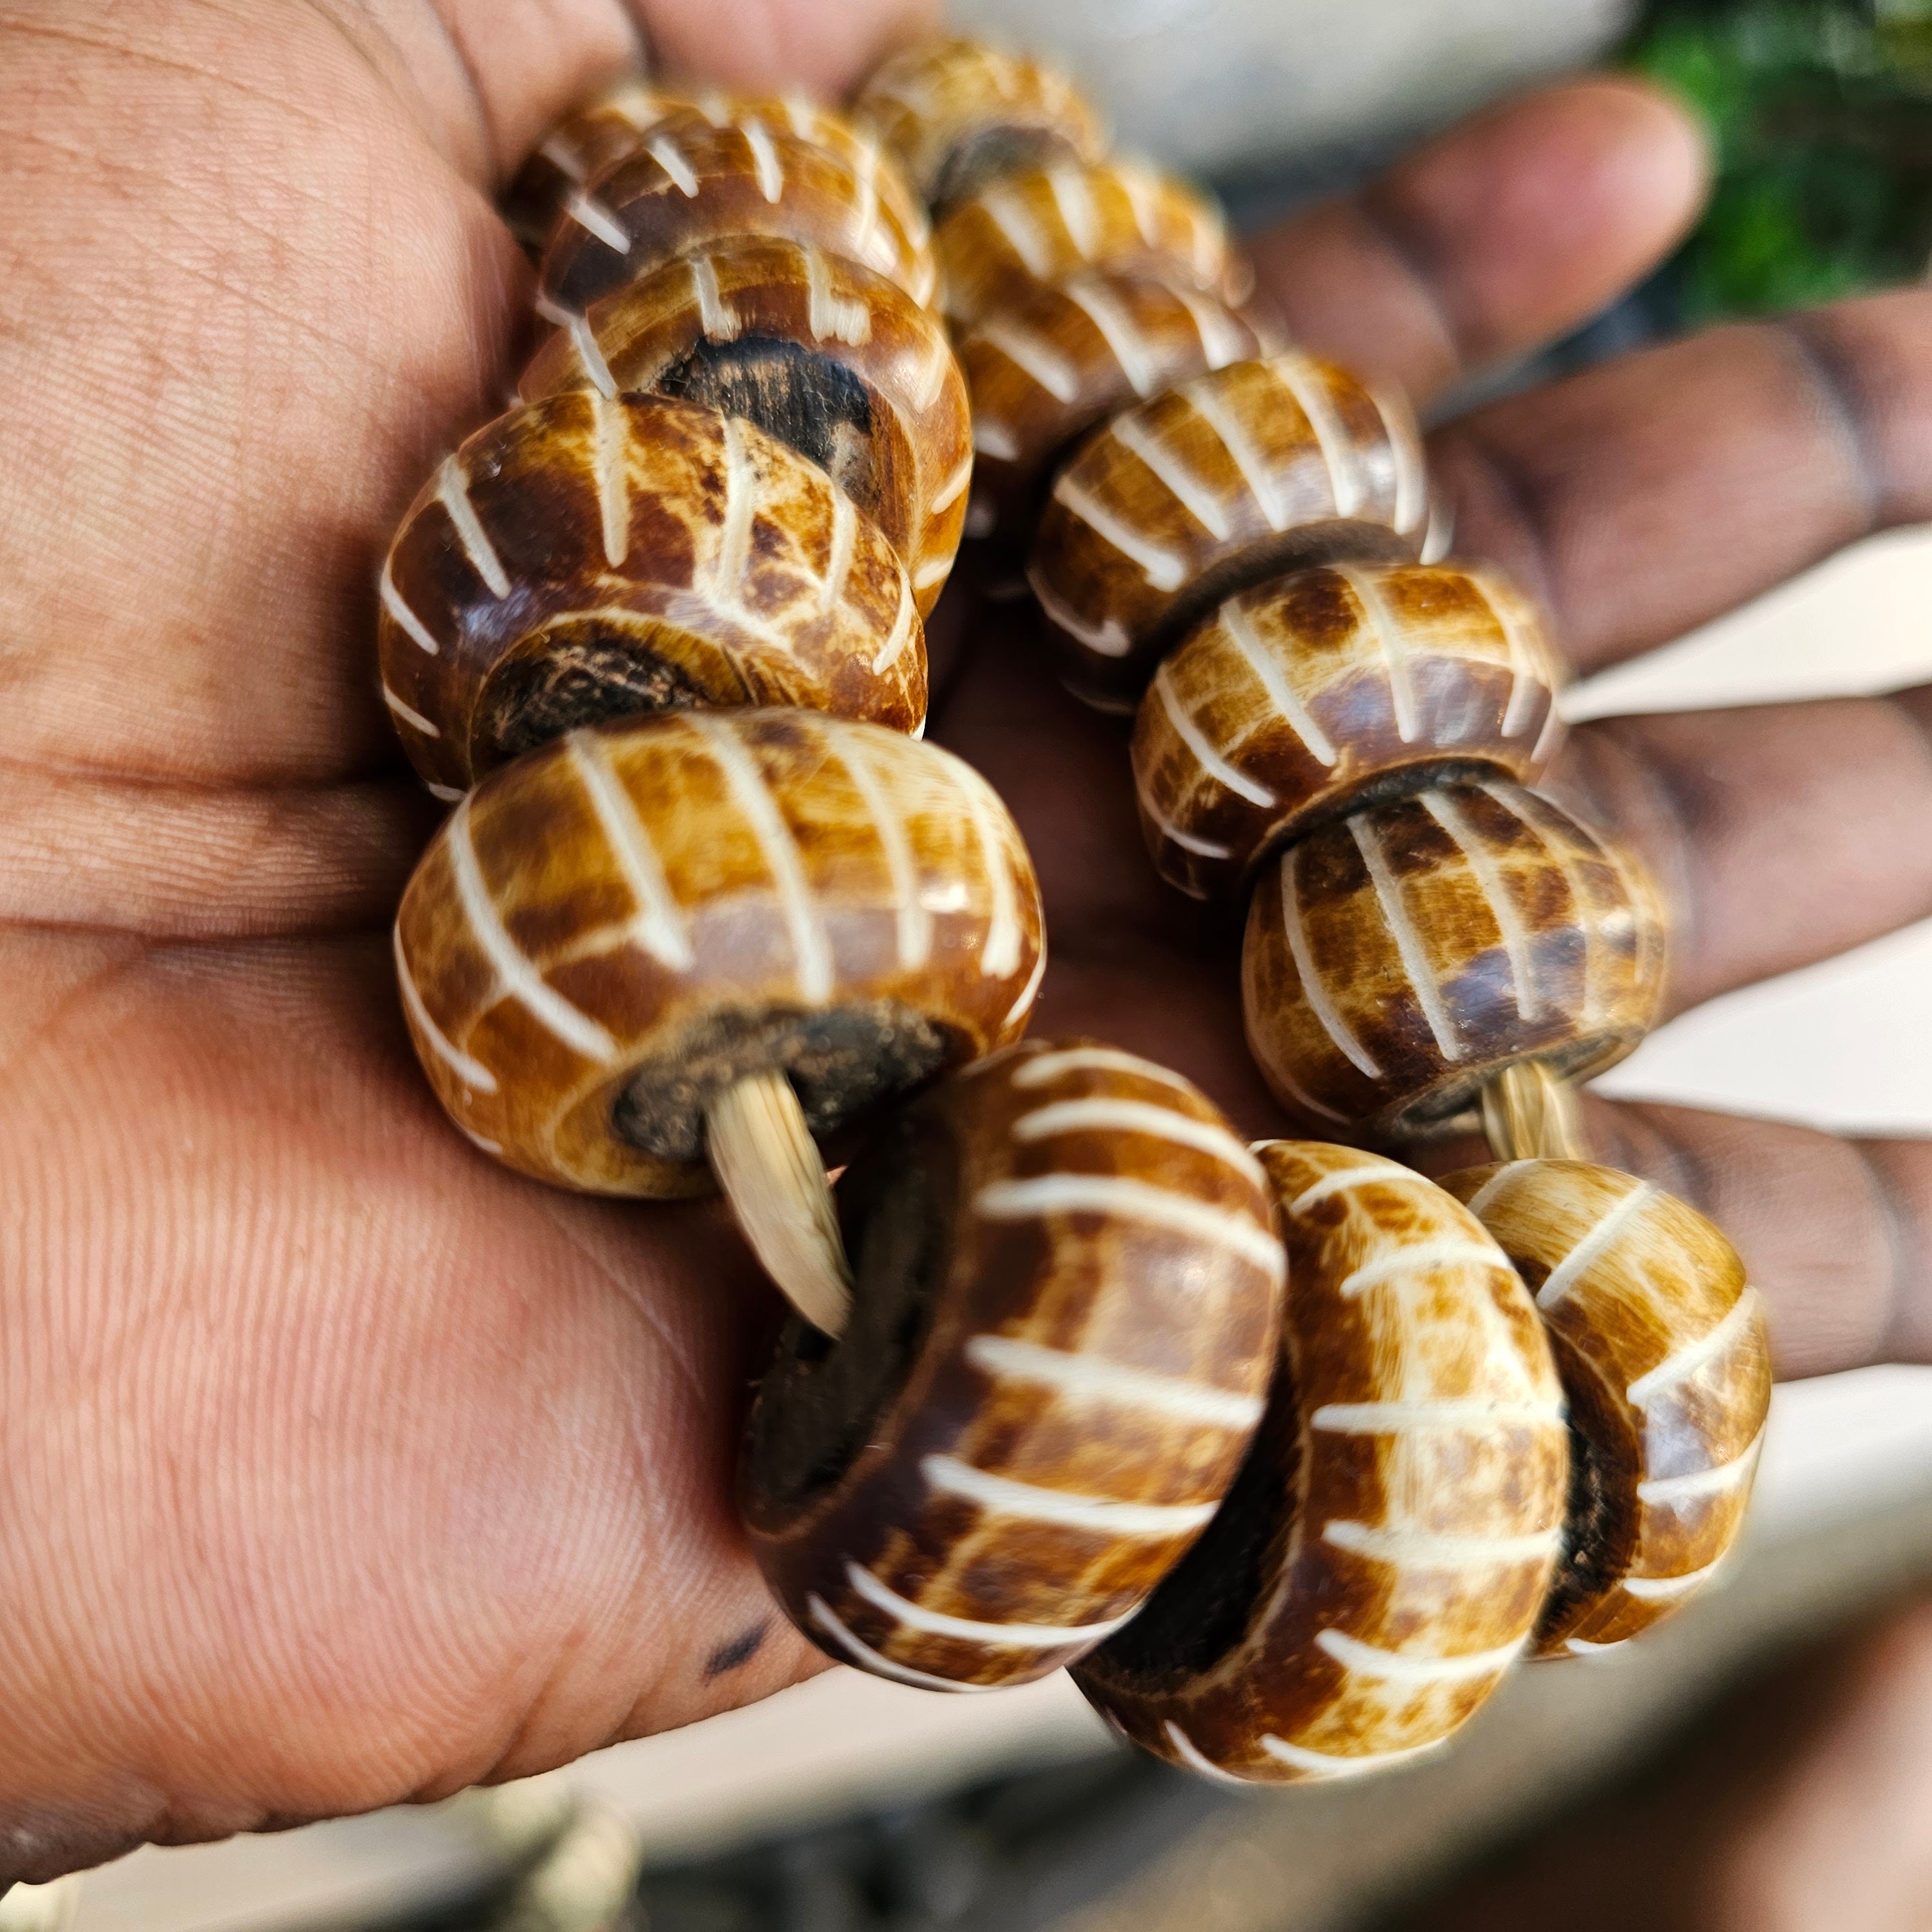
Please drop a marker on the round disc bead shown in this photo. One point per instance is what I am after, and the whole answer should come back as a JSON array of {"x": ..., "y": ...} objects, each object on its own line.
[
  {"x": 1068, "y": 1294},
  {"x": 1397, "y": 961},
  {"x": 1381, "y": 1559},
  {"x": 588, "y": 557},
  {"x": 958, "y": 114},
  {"x": 1044, "y": 369},
  {"x": 1665, "y": 1359},
  {"x": 1259, "y": 468},
  {"x": 578, "y": 148},
  {"x": 610, "y": 932},
  {"x": 1317, "y": 692},
  {"x": 828, "y": 357},
  {"x": 697, "y": 181},
  {"x": 1017, "y": 233}
]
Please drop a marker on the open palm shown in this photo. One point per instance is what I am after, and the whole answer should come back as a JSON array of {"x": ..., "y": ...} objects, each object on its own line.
[{"x": 338, "y": 1465}]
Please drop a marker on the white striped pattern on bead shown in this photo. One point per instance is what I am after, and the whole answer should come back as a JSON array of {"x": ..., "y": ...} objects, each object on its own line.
[
  {"x": 1083, "y": 1378},
  {"x": 1104, "y": 1516},
  {"x": 1048, "y": 1194}
]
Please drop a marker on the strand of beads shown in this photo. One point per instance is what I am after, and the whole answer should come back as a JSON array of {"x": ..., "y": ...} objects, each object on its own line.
[
  {"x": 657, "y": 631},
  {"x": 707, "y": 912},
  {"x": 1234, "y": 543}
]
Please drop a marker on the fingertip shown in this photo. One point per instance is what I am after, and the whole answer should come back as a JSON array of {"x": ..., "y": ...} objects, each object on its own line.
[
  {"x": 1628, "y": 149},
  {"x": 1544, "y": 209},
  {"x": 825, "y": 49}
]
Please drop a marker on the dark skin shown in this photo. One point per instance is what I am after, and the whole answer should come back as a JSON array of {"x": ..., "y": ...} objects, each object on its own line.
[{"x": 338, "y": 1466}]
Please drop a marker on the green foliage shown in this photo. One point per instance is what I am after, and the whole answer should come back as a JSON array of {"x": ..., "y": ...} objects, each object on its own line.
[{"x": 1820, "y": 116}]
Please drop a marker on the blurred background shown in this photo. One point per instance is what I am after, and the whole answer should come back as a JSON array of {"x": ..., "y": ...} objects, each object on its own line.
[{"x": 1765, "y": 1763}]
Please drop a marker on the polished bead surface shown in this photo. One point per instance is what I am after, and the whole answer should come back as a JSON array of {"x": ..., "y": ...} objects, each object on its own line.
[
  {"x": 1665, "y": 1361},
  {"x": 1025, "y": 231},
  {"x": 1260, "y": 469},
  {"x": 958, "y": 114},
  {"x": 578, "y": 148},
  {"x": 1048, "y": 366},
  {"x": 1068, "y": 1295},
  {"x": 1397, "y": 960},
  {"x": 589, "y": 557},
  {"x": 828, "y": 357},
  {"x": 611, "y": 930},
  {"x": 1382, "y": 1558},
  {"x": 698, "y": 181},
  {"x": 1315, "y": 693}
]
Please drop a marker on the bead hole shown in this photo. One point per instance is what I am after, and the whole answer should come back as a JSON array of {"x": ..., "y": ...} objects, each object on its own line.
[
  {"x": 1206, "y": 1604},
  {"x": 824, "y": 1400},
  {"x": 1600, "y": 1524}
]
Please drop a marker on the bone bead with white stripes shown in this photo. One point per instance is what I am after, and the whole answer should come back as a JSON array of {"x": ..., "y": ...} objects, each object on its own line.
[
  {"x": 697, "y": 182},
  {"x": 1664, "y": 1356},
  {"x": 958, "y": 114},
  {"x": 1383, "y": 1556},
  {"x": 831, "y": 359},
  {"x": 1025, "y": 230},
  {"x": 1395, "y": 962},
  {"x": 582, "y": 145},
  {"x": 588, "y": 142},
  {"x": 610, "y": 932},
  {"x": 1068, "y": 1293},
  {"x": 1319, "y": 691},
  {"x": 590, "y": 557},
  {"x": 1261, "y": 468},
  {"x": 1046, "y": 367}
]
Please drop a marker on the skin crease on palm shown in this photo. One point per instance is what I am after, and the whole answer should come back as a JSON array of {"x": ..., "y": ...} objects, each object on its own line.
[{"x": 338, "y": 1466}]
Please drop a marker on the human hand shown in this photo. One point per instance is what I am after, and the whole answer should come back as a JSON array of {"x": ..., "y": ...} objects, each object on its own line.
[{"x": 337, "y": 1464}]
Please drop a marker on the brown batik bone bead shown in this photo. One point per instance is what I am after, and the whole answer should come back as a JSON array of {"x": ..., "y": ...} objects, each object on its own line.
[
  {"x": 1397, "y": 962},
  {"x": 580, "y": 146},
  {"x": 831, "y": 359},
  {"x": 624, "y": 120},
  {"x": 618, "y": 935},
  {"x": 1319, "y": 692},
  {"x": 1261, "y": 468},
  {"x": 958, "y": 114},
  {"x": 1382, "y": 1558},
  {"x": 698, "y": 181},
  {"x": 1665, "y": 1359},
  {"x": 1025, "y": 230},
  {"x": 1068, "y": 1290},
  {"x": 587, "y": 557},
  {"x": 1044, "y": 368}
]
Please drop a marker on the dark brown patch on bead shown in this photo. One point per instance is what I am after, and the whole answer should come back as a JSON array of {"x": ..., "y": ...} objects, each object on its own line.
[
  {"x": 1598, "y": 1526},
  {"x": 1278, "y": 554},
  {"x": 994, "y": 151},
  {"x": 822, "y": 1399},
  {"x": 804, "y": 400},
  {"x": 583, "y": 677},
  {"x": 1207, "y": 1602},
  {"x": 840, "y": 1062}
]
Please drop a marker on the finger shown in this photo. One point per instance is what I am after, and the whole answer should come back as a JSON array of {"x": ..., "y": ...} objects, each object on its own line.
[
  {"x": 824, "y": 46},
  {"x": 1835, "y": 1233},
  {"x": 1647, "y": 496},
  {"x": 1781, "y": 834},
  {"x": 500, "y": 71},
  {"x": 1501, "y": 235},
  {"x": 192, "y": 862}
]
